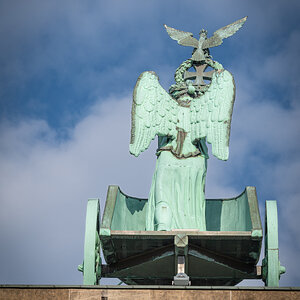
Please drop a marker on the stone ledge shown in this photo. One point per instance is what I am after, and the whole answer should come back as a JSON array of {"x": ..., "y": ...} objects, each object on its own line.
[{"x": 25, "y": 292}]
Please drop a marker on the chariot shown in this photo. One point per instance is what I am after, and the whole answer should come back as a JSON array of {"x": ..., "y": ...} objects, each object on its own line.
[{"x": 223, "y": 255}]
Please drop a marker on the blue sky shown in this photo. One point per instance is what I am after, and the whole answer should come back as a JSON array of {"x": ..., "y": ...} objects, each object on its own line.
[{"x": 67, "y": 74}]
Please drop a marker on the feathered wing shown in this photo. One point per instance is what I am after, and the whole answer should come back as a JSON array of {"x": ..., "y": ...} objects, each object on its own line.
[
  {"x": 211, "y": 114},
  {"x": 154, "y": 112},
  {"x": 222, "y": 33},
  {"x": 182, "y": 37}
]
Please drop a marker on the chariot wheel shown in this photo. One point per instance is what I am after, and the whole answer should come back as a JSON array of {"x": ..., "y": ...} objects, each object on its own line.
[
  {"x": 91, "y": 266},
  {"x": 271, "y": 268}
]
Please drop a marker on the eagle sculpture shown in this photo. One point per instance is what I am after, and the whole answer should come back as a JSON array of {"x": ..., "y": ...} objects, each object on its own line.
[{"x": 202, "y": 45}]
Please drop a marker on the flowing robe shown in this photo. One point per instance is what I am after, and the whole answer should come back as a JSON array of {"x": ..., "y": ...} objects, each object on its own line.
[{"x": 177, "y": 195}]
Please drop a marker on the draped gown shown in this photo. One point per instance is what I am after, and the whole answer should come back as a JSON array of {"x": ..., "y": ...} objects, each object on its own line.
[{"x": 177, "y": 195}]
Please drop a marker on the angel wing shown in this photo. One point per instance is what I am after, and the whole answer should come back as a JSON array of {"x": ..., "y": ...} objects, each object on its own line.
[
  {"x": 211, "y": 114},
  {"x": 223, "y": 33},
  {"x": 154, "y": 112},
  {"x": 182, "y": 37}
]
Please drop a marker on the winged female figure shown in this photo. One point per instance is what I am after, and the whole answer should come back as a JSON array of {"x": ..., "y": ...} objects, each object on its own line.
[{"x": 184, "y": 119}]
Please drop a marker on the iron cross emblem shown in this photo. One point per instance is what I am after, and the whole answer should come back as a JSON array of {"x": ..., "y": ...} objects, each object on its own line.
[{"x": 199, "y": 75}]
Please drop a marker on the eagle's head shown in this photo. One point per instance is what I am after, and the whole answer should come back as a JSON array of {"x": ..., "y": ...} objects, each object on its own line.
[{"x": 203, "y": 33}]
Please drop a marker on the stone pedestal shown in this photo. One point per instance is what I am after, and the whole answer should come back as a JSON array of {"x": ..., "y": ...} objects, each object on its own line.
[{"x": 145, "y": 293}]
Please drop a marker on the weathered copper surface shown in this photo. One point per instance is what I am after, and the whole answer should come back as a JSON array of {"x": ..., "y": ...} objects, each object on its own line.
[
  {"x": 142, "y": 238},
  {"x": 224, "y": 255},
  {"x": 186, "y": 38},
  {"x": 191, "y": 114}
]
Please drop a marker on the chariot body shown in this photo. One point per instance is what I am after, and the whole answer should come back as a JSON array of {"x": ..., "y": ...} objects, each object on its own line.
[{"x": 225, "y": 254}]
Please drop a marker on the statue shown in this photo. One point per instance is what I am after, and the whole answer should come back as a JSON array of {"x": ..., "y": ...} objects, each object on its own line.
[
  {"x": 213, "y": 242},
  {"x": 192, "y": 113}
]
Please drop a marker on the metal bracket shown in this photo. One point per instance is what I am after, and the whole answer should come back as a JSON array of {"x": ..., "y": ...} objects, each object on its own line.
[
  {"x": 181, "y": 278},
  {"x": 181, "y": 251}
]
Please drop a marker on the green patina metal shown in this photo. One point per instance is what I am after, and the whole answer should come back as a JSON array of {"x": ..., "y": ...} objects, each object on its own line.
[
  {"x": 91, "y": 266},
  {"x": 177, "y": 194},
  {"x": 221, "y": 214},
  {"x": 271, "y": 265},
  {"x": 218, "y": 211},
  {"x": 212, "y": 257},
  {"x": 201, "y": 46},
  {"x": 177, "y": 235},
  {"x": 128, "y": 211},
  {"x": 192, "y": 113}
]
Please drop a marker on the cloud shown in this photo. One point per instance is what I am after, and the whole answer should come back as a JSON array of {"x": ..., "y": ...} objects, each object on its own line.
[
  {"x": 68, "y": 69},
  {"x": 74, "y": 52},
  {"x": 45, "y": 185},
  {"x": 45, "y": 182}
]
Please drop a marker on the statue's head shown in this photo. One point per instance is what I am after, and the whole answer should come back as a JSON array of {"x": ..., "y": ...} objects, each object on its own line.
[{"x": 203, "y": 33}]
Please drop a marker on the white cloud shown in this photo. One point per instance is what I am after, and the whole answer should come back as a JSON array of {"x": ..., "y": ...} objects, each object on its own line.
[
  {"x": 45, "y": 183},
  {"x": 45, "y": 186}
]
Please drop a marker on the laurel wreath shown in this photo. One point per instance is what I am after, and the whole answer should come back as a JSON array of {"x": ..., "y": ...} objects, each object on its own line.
[
  {"x": 179, "y": 76},
  {"x": 179, "y": 73}
]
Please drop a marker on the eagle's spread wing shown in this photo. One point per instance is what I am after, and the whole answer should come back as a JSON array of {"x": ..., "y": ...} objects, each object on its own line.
[
  {"x": 182, "y": 37},
  {"x": 223, "y": 33},
  {"x": 211, "y": 114},
  {"x": 154, "y": 112}
]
